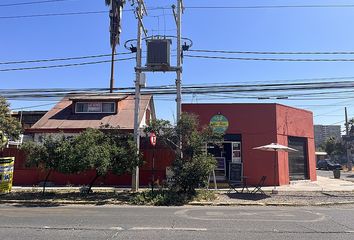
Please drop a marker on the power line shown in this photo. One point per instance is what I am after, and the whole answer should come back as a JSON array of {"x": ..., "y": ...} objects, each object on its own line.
[
  {"x": 63, "y": 14},
  {"x": 270, "y": 52},
  {"x": 272, "y": 6},
  {"x": 168, "y": 8},
  {"x": 35, "y": 106},
  {"x": 53, "y": 14},
  {"x": 32, "y": 3},
  {"x": 273, "y": 59},
  {"x": 62, "y": 65},
  {"x": 201, "y": 89},
  {"x": 61, "y": 59}
]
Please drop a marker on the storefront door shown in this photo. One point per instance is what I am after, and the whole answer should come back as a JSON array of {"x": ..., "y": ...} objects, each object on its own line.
[
  {"x": 298, "y": 162},
  {"x": 225, "y": 153}
]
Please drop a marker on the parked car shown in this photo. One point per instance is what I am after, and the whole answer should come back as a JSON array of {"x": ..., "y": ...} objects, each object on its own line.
[{"x": 328, "y": 165}]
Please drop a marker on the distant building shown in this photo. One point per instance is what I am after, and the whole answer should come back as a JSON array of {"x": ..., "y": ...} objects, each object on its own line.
[
  {"x": 323, "y": 132},
  {"x": 28, "y": 118}
]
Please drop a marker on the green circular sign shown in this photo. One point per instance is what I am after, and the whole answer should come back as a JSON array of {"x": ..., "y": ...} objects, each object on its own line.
[{"x": 219, "y": 123}]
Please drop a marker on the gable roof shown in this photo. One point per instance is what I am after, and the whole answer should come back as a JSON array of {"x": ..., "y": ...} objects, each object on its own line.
[{"x": 62, "y": 118}]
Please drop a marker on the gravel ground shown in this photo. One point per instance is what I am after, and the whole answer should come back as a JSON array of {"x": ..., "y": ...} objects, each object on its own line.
[{"x": 295, "y": 198}]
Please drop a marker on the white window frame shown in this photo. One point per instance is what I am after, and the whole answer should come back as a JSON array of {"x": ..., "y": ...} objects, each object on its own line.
[{"x": 101, "y": 104}]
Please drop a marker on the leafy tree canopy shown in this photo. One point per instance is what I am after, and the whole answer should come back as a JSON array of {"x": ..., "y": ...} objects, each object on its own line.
[
  {"x": 191, "y": 168},
  {"x": 8, "y": 124},
  {"x": 334, "y": 147}
]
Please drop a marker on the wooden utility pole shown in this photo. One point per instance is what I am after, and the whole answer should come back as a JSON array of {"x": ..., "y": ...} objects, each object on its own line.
[{"x": 139, "y": 13}]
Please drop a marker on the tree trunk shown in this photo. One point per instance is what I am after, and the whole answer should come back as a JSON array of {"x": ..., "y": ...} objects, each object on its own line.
[
  {"x": 45, "y": 180},
  {"x": 92, "y": 182}
]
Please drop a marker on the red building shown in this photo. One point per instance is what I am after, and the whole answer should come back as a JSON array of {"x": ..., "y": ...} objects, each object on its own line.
[
  {"x": 74, "y": 114},
  {"x": 245, "y": 126},
  {"x": 251, "y": 125}
]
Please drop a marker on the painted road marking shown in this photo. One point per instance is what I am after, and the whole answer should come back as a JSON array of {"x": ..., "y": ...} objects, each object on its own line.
[
  {"x": 255, "y": 216},
  {"x": 167, "y": 228},
  {"x": 116, "y": 228}
]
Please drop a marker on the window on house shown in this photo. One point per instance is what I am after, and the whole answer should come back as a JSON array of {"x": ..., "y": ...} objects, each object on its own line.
[{"x": 95, "y": 107}]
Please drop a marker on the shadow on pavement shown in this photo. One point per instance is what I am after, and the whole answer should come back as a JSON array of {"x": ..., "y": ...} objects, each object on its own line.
[
  {"x": 33, "y": 205},
  {"x": 248, "y": 196}
]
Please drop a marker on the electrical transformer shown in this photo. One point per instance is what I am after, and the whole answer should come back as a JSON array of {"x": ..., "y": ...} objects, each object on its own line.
[{"x": 158, "y": 53}]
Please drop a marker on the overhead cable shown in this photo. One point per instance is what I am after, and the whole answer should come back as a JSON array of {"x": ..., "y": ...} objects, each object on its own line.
[
  {"x": 62, "y": 59},
  {"x": 32, "y": 3},
  {"x": 62, "y": 65},
  {"x": 273, "y": 59},
  {"x": 271, "y": 52},
  {"x": 168, "y": 8}
]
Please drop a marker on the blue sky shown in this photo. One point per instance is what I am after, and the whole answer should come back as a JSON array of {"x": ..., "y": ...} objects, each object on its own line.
[{"x": 277, "y": 29}]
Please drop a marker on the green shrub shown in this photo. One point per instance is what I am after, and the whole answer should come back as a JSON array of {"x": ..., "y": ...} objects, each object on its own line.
[
  {"x": 170, "y": 198},
  {"x": 192, "y": 174}
]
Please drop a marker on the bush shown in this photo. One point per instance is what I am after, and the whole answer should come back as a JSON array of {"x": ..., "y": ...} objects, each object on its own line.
[
  {"x": 192, "y": 174},
  {"x": 170, "y": 198}
]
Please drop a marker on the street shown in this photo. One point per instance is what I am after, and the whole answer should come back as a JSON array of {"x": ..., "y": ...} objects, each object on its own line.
[{"x": 125, "y": 222}]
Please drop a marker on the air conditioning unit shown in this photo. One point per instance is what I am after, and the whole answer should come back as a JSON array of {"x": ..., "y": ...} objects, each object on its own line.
[{"x": 158, "y": 53}]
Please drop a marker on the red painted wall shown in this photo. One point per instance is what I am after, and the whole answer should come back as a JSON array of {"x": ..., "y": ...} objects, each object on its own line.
[
  {"x": 261, "y": 124},
  {"x": 296, "y": 123},
  {"x": 32, "y": 176}
]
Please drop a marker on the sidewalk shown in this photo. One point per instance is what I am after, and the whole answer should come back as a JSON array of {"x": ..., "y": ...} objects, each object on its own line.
[
  {"x": 324, "y": 191},
  {"x": 323, "y": 184}
]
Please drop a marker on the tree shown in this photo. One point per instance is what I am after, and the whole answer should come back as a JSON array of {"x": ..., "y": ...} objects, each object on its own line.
[
  {"x": 334, "y": 147},
  {"x": 52, "y": 154},
  {"x": 9, "y": 126},
  {"x": 192, "y": 168},
  {"x": 103, "y": 152}
]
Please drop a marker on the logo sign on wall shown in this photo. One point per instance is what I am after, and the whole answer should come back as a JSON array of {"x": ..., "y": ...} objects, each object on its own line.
[{"x": 219, "y": 123}]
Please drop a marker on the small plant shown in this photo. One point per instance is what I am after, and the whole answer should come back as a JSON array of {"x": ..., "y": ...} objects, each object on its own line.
[{"x": 170, "y": 198}]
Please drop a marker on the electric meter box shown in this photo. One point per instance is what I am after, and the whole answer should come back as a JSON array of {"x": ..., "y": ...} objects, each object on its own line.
[{"x": 158, "y": 53}]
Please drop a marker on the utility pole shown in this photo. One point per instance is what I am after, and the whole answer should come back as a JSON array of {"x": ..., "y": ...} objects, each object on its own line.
[
  {"x": 179, "y": 59},
  {"x": 347, "y": 142},
  {"x": 178, "y": 19},
  {"x": 139, "y": 13}
]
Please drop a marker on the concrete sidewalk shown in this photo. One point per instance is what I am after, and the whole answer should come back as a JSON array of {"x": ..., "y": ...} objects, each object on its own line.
[
  {"x": 323, "y": 184},
  {"x": 324, "y": 191}
]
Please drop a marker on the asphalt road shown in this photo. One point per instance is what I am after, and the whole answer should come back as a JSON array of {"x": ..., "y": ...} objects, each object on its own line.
[{"x": 112, "y": 222}]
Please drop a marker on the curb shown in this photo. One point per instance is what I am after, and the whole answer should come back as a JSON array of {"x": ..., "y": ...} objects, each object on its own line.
[
  {"x": 285, "y": 204},
  {"x": 63, "y": 202}
]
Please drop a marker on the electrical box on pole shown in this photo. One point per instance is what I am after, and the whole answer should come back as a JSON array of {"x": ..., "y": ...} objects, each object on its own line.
[{"x": 158, "y": 53}]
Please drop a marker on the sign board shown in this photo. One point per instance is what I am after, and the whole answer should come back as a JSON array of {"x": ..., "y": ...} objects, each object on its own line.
[
  {"x": 219, "y": 123},
  {"x": 6, "y": 174},
  {"x": 153, "y": 139},
  {"x": 235, "y": 172}
]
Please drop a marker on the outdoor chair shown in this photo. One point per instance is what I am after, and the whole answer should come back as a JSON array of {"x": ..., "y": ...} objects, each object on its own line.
[
  {"x": 233, "y": 186},
  {"x": 259, "y": 186}
]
